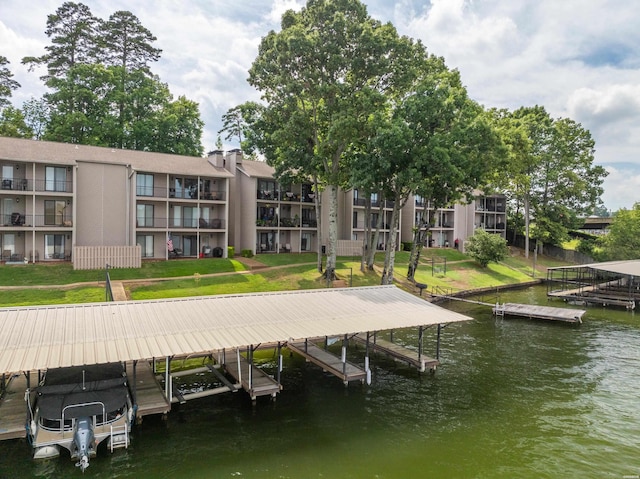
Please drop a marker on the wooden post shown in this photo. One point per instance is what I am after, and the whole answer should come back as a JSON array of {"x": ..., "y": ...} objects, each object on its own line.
[
  {"x": 134, "y": 390},
  {"x": 344, "y": 355},
  {"x": 420, "y": 340},
  {"x": 279, "y": 361},
  {"x": 438, "y": 342}
]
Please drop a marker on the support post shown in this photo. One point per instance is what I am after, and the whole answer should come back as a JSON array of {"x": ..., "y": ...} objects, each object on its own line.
[
  {"x": 167, "y": 379},
  {"x": 344, "y": 355},
  {"x": 239, "y": 364},
  {"x": 420, "y": 341},
  {"x": 250, "y": 359},
  {"x": 366, "y": 360},
  {"x": 279, "y": 361},
  {"x": 391, "y": 336},
  {"x": 134, "y": 390},
  {"x": 438, "y": 342}
]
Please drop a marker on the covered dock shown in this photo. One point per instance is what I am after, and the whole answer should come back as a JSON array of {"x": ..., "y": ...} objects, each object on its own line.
[
  {"x": 142, "y": 332},
  {"x": 613, "y": 283},
  {"x": 338, "y": 366}
]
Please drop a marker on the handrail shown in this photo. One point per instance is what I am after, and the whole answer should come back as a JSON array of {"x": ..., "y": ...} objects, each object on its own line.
[{"x": 71, "y": 406}]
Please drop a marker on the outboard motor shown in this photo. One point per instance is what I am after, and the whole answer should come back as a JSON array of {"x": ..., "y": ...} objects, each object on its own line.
[{"x": 83, "y": 441}]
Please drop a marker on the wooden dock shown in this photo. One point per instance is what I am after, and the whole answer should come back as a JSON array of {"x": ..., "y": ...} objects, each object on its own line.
[
  {"x": 328, "y": 362},
  {"x": 147, "y": 392},
  {"x": 13, "y": 409},
  {"x": 253, "y": 379},
  {"x": 399, "y": 353},
  {"x": 539, "y": 312}
]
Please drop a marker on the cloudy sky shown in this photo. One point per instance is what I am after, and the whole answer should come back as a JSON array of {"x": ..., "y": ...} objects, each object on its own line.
[{"x": 578, "y": 58}]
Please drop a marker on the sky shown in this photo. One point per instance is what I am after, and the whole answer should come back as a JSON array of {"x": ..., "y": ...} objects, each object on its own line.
[{"x": 578, "y": 58}]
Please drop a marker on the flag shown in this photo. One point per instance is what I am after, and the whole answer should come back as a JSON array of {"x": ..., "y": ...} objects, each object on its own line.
[{"x": 170, "y": 244}]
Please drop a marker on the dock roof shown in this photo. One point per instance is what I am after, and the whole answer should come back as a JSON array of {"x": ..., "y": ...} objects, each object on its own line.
[
  {"x": 73, "y": 335},
  {"x": 626, "y": 267}
]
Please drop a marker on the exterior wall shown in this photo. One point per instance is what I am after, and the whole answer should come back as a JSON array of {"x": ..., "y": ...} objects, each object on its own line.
[{"x": 102, "y": 205}]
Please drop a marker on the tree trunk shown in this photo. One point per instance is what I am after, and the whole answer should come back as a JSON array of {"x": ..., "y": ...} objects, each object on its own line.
[
  {"x": 371, "y": 258},
  {"x": 526, "y": 225},
  {"x": 318, "y": 205},
  {"x": 419, "y": 237},
  {"x": 330, "y": 270},
  {"x": 390, "y": 253}
]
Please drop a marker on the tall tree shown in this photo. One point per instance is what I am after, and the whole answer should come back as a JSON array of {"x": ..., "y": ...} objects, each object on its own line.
[
  {"x": 323, "y": 75},
  {"x": 73, "y": 31},
  {"x": 7, "y": 83},
  {"x": 551, "y": 172},
  {"x": 128, "y": 45}
]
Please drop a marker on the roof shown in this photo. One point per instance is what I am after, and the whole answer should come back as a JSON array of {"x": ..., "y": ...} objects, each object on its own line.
[
  {"x": 72, "y": 335},
  {"x": 256, "y": 169},
  {"x": 628, "y": 268},
  {"x": 18, "y": 149}
]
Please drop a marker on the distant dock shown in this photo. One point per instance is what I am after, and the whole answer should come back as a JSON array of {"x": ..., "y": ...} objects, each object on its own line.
[{"x": 539, "y": 312}]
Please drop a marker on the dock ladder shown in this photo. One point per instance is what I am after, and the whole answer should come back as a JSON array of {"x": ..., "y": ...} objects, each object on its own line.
[{"x": 119, "y": 437}]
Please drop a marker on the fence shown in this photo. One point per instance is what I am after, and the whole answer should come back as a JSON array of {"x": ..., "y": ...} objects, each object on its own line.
[
  {"x": 349, "y": 248},
  {"x": 96, "y": 257}
]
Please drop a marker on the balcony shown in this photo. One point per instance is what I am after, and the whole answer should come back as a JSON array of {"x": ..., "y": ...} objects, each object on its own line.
[{"x": 24, "y": 184}]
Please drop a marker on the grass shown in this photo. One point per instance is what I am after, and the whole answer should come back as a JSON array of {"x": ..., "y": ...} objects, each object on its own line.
[
  {"x": 296, "y": 277},
  {"x": 63, "y": 273},
  {"x": 291, "y": 272}
]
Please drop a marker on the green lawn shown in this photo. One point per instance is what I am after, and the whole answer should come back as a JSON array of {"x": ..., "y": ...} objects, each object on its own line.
[
  {"x": 63, "y": 273},
  {"x": 34, "y": 297}
]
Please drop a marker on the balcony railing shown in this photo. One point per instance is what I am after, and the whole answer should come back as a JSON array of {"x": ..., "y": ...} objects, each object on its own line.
[
  {"x": 19, "y": 219},
  {"x": 24, "y": 184},
  {"x": 188, "y": 194},
  {"x": 192, "y": 223}
]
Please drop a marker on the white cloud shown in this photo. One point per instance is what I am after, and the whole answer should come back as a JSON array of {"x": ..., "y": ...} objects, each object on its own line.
[{"x": 621, "y": 187}]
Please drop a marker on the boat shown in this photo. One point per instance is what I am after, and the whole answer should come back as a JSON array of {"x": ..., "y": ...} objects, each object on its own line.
[{"x": 78, "y": 408}]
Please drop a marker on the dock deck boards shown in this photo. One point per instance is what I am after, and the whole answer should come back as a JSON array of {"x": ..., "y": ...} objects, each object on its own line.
[
  {"x": 261, "y": 383},
  {"x": 539, "y": 312},
  {"x": 149, "y": 394},
  {"x": 400, "y": 353},
  {"x": 13, "y": 409},
  {"x": 328, "y": 361}
]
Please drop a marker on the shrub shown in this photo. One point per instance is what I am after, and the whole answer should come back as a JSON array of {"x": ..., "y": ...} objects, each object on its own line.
[
  {"x": 247, "y": 253},
  {"x": 231, "y": 251},
  {"x": 486, "y": 247},
  {"x": 407, "y": 245}
]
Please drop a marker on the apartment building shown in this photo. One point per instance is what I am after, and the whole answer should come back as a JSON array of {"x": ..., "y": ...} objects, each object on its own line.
[{"x": 54, "y": 196}]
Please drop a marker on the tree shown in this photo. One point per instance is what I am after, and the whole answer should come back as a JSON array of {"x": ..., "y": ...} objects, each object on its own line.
[
  {"x": 321, "y": 77},
  {"x": 7, "y": 83},
  {"x": 73, "y": 31},
  {"x": 179, "y": 129},
  {"x": 36, "y": 116},
  {"x": 128, "y": 45},
  {"x": 456, "y": 145},
  {"x": 623, "y": 240},
  {"x": 486, "y": 247},
  {"x": 551, "y": 172},
  {"x": 13, "y": 124}
]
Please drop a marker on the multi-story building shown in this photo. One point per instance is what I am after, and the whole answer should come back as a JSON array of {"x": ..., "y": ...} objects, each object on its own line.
[
  {"x": 54, "y": 196},
  {"x": 454, "y": 224}
]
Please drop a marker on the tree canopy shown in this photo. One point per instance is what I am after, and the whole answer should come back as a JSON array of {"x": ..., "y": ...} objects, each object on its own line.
[
  {"x": 622, "y": 242},
  {"x": 102, "y": 90}
]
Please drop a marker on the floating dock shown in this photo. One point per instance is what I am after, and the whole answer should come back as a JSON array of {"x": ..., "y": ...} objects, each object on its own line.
[
  {"x": 329, "y": 362},
  {"x": 13, "y": 409},
  {"x": 399, "y": 353},
  {"x": 539, "y": 312}
]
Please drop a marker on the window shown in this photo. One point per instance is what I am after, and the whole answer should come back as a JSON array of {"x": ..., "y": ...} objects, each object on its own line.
[
  {"x": 54, "y": 212},
  {"x": 9, "y": 242},
  {"x": 146, "y": 245},
  {"x": 54, "y": 246},
  {"x": 144, "y": 184},
  {"x": 55, "y": 178},
  {"x": 190, "y": 217},
  {"x": 144, "y": 216},
  {"x": 266, "y": 189}
]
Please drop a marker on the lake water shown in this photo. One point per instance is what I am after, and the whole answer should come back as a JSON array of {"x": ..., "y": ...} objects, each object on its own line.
[{"x": 513, "y": 398}]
